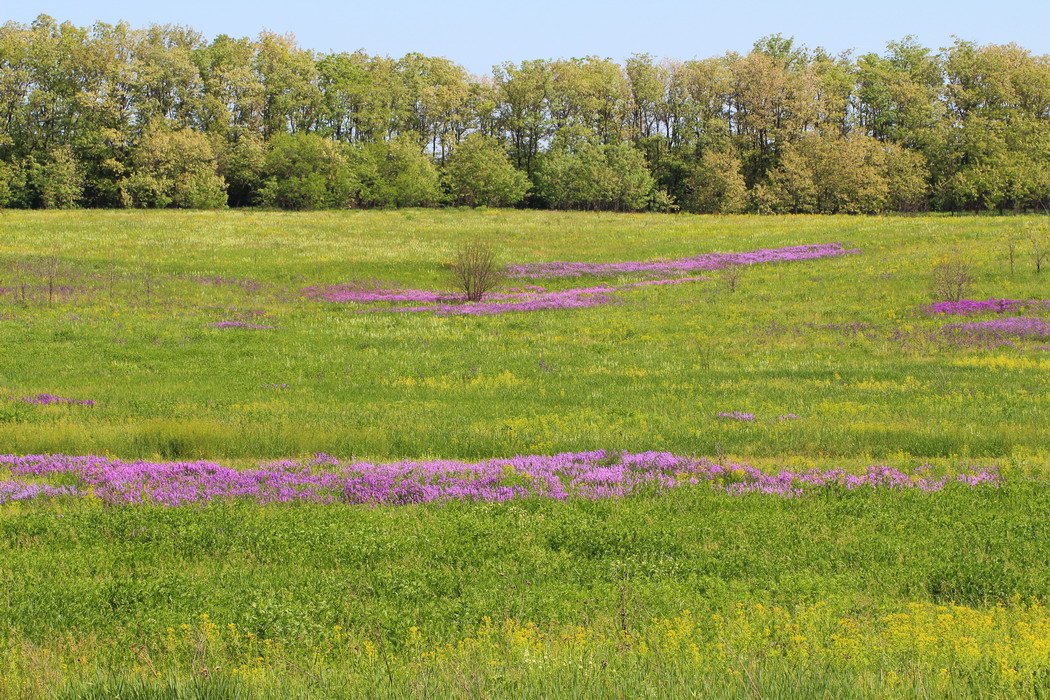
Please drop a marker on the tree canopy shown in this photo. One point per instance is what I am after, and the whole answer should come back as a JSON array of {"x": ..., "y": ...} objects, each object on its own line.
[{"x": 116, "y": 116}]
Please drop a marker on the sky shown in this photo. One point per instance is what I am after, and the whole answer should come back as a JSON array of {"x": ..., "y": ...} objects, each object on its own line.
[{"x": 479, "y": 34}]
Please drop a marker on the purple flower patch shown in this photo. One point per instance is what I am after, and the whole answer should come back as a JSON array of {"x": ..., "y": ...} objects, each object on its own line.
[
  {"x": 239, "y": 324},
  {"x": 738, "y": 415},
  {"x": 707, "y": 261},
  {"x": 51, "y": 399},
  {"x": 971, "y": 307},
  {"x": 1004, "y": 327},
  {"x": 324, "y": 479},
  {"x": 535, "y": 298}
]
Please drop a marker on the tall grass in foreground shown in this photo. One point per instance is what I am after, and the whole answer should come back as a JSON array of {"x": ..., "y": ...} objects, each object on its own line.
[
  {"x": 753, "y": 651},
  {"x": 869, "y": 594}
]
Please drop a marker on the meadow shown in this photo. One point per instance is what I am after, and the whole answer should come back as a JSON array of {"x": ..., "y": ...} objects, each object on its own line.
[{"x": 314, "y": 475}]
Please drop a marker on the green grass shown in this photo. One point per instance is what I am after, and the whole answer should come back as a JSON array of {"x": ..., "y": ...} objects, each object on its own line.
[
  {"x": 837, "y": 594},
  {"x": 323, "y": 582},
  {"x": 650, "y": 373}
]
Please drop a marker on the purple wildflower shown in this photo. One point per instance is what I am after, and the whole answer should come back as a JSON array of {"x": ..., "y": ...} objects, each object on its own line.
[
  {"x": 239, "y": 324},
  {"x": 970, "y": 307},
  {"x": 50, "y": 399},
  {"x": 738, "y": 415},
  {"x": 19, "y": 491},
  {"x": 324, "y": 479},
  {"x": 535, "y": 298},
  {"x": 707, "y": 261},
  {"x": 1004, "y": 327},
  {"x": 530, "y": 298}
]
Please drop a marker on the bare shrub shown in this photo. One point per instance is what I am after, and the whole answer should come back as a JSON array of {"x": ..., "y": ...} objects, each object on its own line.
[
  {"x": 951, "y": 278},
  {"x": 1039, "y": 240},
  {"x": 475, "y": 270},
  {"x": 50, "y": 269},
  {"x": 1009, "y": 245},
  {"x": 731, "y": 275}
]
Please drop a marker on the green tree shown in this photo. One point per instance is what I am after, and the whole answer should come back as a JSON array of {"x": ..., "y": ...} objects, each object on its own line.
[
  {"x": 307, "y": 171},
  {"x": 396, "y": 174},
  {"x": 832, "y": 174},
  {"x": 594, "y": 176},
  {"x": 522, "y": 112},
  {"x": 12, "y": 185},
  {"x": 242, "y": 160},
  {"x": 715, "y": 185},
  {"x": 174, "y": 167},
  {"x": 57, "y": 182},
  {"x": 291, "y": 95},
  {"x": 479, "y": 172}
]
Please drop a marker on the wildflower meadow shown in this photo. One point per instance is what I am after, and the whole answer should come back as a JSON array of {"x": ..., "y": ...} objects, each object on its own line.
[{"x": 249, "y": 454}]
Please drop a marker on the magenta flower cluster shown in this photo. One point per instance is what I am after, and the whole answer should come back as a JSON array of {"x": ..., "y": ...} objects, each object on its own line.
[
  {"x": 706, "y": 261},
  {"x": 534, "y": 298},
  {"x": 502, "y": 302},
  {"x": 50, "y": 399},
  {"x": 239, "y": 324},
  {"x": 971, "y": 307},
  {"x": 1004, "y": 327},
  {"x": 529, "y": 298},
  {"x": 21, "y": 491},
  {"x": 324, "y": 479},
  {"x": 738, "y": 415}
]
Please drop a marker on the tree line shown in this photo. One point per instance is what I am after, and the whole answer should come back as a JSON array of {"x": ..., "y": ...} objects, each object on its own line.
[{"x": 116, "y": 116}]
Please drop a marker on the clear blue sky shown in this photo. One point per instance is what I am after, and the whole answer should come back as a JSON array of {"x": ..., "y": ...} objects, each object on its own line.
[{"x": 479, "y": 34}]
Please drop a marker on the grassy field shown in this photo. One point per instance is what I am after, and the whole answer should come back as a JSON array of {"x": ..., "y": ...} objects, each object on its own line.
[
  {"x": 691, "y": 591},
  {"x": 838, "y": 342}
]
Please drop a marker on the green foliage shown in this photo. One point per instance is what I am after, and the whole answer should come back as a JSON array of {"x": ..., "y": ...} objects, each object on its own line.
[
  {"x": 242, "y": 161},
  {"x": 611, "y": 177},
  {"x": 84, "y": 109},
  {"x": 106, "y": 588},
  {"x": 12, "y": 185},
  {"x": 56, "y": 182},
  {"x": 173, "y": 167},
  {"x": 479, "y": 173},
  {"x": 830, "y": 174},
  {"x": 307, "y": 171},
  {"x": 397, "y": 174},
  {"x": 715, "y": 185}
]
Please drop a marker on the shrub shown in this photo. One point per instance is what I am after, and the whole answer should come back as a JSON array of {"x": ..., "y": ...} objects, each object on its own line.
[
  {"x": 58, "y": 181},
  {"x": 951, "y": 279},
  {"x": 1039, "y": 243},
  {"x": 715, "y": 185},
  {"x": 594, "y": 176},
  {"x": 474, "y": 270},
  {"x": 12, "y": 185},
  {"x": 479, "y": 173},
  {"x": 397, "y": 174},
  {"x": 242, "y": 160},
  {"x": 731, "y": 275},
  {"x": 307, "y": 171},
  {"x": 174, "y": 168}
]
